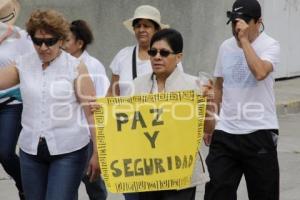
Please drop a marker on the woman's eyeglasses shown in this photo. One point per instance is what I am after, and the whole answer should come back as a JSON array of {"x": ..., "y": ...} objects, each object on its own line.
[
  {"x": 163, "y": 53},
  {"x": 47, "y": 41}
]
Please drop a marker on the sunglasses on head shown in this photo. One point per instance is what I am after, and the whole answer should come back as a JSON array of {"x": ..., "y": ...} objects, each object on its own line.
[
  {"x": 163, "y": 52},
  {"x": 47, "y": 41}
]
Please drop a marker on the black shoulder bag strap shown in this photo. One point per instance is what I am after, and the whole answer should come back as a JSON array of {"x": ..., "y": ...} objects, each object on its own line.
[{"x": 134, "y": 64}]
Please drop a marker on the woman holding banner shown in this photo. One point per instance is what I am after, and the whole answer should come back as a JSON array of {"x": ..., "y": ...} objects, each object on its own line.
[
  {"x": 165, "y": 53},
  {"x": 133, "y": 61}
]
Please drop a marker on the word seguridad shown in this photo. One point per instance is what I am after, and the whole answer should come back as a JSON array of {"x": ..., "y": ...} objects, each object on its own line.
[{"x": 149, "y": 166}]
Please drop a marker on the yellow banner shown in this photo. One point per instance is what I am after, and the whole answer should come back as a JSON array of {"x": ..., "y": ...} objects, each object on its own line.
[{"x": 149, "y": 142}]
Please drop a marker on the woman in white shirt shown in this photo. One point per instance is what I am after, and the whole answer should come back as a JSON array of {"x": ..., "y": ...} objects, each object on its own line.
[
  {"x": 134, "y": 61},
  {"x": 80, "y": 37},
  {"x": 54, "y": 139},
  {"x": 166, "y": 51}
]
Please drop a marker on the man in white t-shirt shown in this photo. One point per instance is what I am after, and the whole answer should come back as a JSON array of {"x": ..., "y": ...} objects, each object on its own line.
[{"x": 245, "y": 139}]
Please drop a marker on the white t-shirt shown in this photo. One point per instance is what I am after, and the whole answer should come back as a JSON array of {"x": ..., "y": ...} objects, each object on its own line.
[
  {"x": 50, "y": 106},
  {"x": 121, "y": 65},
  {"x": 247, "y": 104},
  {"x": 10, "y": 50},
  {"x": 97, "y": 73}
]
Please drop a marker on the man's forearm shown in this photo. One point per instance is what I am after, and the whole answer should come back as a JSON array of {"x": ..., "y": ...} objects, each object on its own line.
[{"x": 258, "y": 67}]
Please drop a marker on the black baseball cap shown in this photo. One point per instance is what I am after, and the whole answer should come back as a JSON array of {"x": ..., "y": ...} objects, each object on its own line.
[{"x": 244, "y": 9}]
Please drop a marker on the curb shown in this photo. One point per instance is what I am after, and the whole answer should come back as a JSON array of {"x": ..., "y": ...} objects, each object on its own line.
[{"x": 290, "y": 107}]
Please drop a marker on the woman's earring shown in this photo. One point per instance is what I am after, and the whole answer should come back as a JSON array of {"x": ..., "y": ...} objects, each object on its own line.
[{"x": 262, "y": 27}]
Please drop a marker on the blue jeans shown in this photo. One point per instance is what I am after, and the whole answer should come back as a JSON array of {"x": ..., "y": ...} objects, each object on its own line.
[
  {"x": 131, "y": 196},
  {"x": 10, "y": 127},
  {"x": 96, "y": 190},
  {"x": 57, "y": 177}
]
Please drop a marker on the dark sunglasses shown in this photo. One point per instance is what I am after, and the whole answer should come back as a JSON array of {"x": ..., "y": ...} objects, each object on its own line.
[
  {"x": 164, "y": 53},
  {"x": 47, "y": 41}
]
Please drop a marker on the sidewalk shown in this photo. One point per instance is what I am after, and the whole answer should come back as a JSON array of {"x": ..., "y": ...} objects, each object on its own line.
[{"x": 287, "y": 94}]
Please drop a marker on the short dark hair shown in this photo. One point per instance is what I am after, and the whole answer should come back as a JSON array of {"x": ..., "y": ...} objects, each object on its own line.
[
  {"x": 156, "y": 25},
  {"x": 171, "y": 36},
  {"x": 82, "y": 31}
]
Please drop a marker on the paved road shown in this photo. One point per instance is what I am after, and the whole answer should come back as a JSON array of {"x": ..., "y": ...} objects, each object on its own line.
[{"x": 289, "y": 156}]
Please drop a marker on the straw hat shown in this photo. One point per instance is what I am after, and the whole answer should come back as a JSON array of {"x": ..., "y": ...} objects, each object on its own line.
[
  {"x": 145, "y": 12},
  {"x": 9, "y": 11}
]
